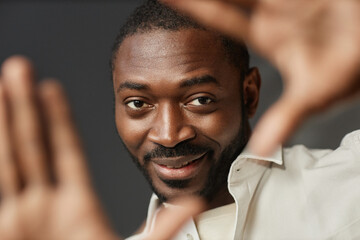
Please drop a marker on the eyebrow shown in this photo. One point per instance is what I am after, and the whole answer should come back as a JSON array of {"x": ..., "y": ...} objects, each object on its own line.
[
  {"x": 132, "y": 86},
  {"x": 187, "y": 83},
  {"x": 198, "y": 81}
]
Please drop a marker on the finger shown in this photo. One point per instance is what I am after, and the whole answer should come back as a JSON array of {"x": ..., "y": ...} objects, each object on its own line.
[
  {"x": 239, "y": 3},
  {"x": 277, "y": 124},
  {"x": 9, "y": 182},
  {"x": 69, "y": 163},
  {"x": 243, "y": 3},
  {"x": 170, "y": 220},
  {"x": 220, "y": 15},
  {"x": 18, "y": 76}
]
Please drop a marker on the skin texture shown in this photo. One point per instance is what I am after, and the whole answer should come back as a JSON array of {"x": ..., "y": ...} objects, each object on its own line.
[
  {"x": 313, "y": 43},
  {"x": 155, "y": 110},
  {"x": 45, "y": 188},
  {"x": 43, "y": 196}
]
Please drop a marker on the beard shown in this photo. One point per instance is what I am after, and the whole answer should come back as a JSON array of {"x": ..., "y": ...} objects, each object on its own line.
[{"x": 218, "y": 172}]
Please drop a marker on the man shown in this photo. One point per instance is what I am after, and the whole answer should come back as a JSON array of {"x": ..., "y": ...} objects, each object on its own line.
[
  {"x": 183, "y": 96},
  {"x": 183, "y": 99}
]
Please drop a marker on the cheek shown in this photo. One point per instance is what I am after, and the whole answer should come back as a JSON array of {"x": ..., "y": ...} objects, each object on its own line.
[
  {"x": 220, "y": 126},
  {"x": 132, "y": 132}
]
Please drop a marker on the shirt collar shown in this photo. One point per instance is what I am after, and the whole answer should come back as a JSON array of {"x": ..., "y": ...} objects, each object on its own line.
[{"x": 276, "y": 157}]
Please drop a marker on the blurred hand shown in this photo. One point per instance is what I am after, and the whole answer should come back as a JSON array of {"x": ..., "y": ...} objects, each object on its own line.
[
  {"x": 315, "y": 44},
  {"x": 45, "y": 188},
  {"x": 170, "y": 220}
]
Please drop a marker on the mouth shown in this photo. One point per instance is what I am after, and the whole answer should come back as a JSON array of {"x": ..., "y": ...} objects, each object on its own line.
[{"x": 178, "y": 168}]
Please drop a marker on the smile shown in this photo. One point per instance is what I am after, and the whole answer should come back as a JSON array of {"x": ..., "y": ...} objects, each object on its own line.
[
  {"x": 182, "y": 165},
  {"x": 178, "y": 168}
]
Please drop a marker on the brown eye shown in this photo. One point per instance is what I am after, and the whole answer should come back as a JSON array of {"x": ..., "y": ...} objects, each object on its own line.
[
  {"x": 201, "y": 101},
  {"x": 137, "y": 104}
]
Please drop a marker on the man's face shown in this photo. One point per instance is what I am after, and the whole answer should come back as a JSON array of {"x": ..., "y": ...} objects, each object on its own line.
[{"x": 178, "y": 110}]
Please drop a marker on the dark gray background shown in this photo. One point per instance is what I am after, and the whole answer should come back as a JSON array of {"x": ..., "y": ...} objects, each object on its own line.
[{"x": 71, "y": 41}]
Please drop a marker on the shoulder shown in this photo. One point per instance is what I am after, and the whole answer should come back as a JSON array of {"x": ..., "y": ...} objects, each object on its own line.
[
  {"x": 346, "y": 155},
  {"x": 321, "y": 175},
  {"x": 322, "y": 182},
  {"x": 352, "y": 141},
  {"x": 314, "y": 188}
]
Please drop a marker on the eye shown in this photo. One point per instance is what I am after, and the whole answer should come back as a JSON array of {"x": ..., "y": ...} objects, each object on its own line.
[
  {"x": 200, "y": 101},
  {"x": 137, "y": 104}
]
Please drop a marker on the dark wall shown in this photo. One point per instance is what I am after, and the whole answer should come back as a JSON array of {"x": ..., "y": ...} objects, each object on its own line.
[{"x": 71, "y": 41}]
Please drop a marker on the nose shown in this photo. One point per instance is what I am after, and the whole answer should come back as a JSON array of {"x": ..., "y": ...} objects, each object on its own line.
[{"x": 169, "y": 127}]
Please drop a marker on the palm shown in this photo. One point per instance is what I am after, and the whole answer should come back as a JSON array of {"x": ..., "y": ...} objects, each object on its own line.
[
  {"x": 85, "y": 214},
  {"x": 38, "y": 203},
  {"x": 313, "y": 43},
  {"x": 51, "y": 214},
  {"x": 307, "y": 41},
  {"x": 45, "y": 191}
]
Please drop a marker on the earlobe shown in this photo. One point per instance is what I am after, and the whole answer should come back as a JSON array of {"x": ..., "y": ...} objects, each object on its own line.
[{"x": 251, "y": 89}]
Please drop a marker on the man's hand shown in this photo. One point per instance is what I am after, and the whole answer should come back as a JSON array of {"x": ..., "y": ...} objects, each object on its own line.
[
  {"x": 315, "y": 44},
  {"x": 170, "y": 220},
  {"x": 45, "y": 190}
]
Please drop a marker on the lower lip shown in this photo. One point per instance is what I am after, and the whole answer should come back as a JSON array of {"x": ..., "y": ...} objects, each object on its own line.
[{"x": 186, "y": 172}]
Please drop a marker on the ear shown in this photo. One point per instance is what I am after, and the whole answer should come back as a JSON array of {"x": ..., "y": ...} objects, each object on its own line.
[{"x": 251, "y": 88}]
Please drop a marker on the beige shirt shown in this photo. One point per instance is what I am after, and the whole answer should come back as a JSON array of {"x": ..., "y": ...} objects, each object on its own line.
[
  {"x": 217, "y": 223},
  {"x": 297, "y": 193}
]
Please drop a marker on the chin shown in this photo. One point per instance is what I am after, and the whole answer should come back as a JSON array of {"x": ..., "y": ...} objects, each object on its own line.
[{"x": 177, "y": 189}]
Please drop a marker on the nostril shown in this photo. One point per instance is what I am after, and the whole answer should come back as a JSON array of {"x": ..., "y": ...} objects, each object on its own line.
[
  {"x": 187, "y": 133},
  {"x": 171, "y": 137},
  {"x": 169, "y": 126}
]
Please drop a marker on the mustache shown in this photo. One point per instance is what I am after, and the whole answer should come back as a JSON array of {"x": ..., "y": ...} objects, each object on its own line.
[{"x": 182, "y": 149}]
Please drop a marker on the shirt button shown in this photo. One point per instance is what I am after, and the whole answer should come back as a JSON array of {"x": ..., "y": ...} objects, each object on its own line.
[{"x": 189, "y": 236}]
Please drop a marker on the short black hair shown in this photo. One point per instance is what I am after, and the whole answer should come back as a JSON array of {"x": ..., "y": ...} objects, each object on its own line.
[{"x": 153, "y": 15}]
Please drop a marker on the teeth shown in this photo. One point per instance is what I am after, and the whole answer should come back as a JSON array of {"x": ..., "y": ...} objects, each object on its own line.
[{"x": 179, "y": 166}]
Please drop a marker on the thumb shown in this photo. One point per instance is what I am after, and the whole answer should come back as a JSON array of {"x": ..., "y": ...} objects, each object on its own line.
[
  {"x": 170, "y": 219},
  {"x": 278, "y": 123}
]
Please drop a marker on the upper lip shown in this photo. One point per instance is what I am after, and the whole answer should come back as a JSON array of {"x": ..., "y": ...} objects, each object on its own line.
[{"x": 177, "y": 161}]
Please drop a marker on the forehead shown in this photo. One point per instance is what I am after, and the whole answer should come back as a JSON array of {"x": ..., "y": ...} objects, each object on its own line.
[
  {"x": 160, "y": 44},
  {"x": 160, "y": 53}
]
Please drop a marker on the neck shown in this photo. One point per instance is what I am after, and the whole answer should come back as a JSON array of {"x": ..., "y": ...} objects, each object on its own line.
[{"x": 223, "y": 197}]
